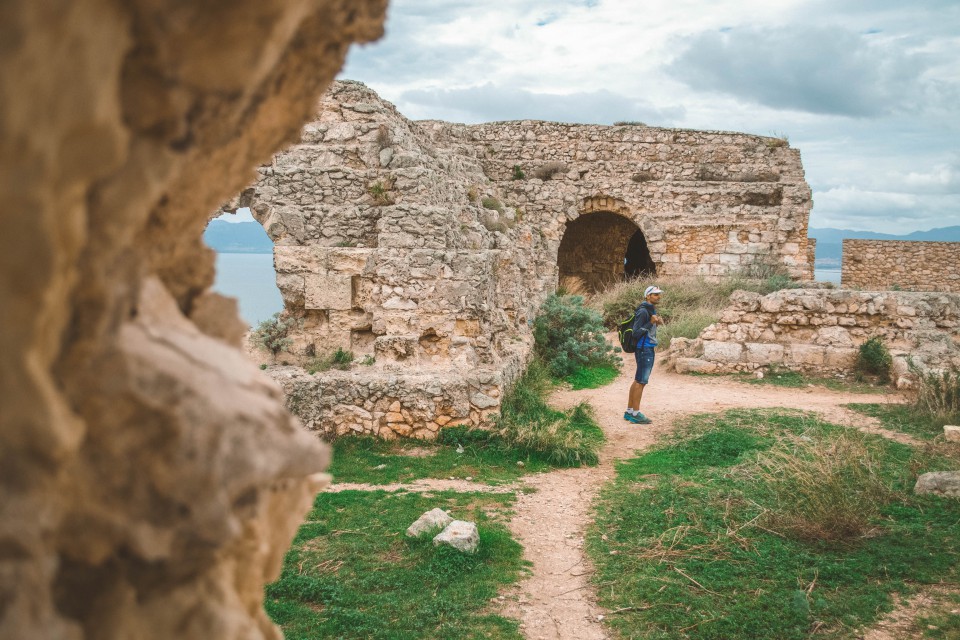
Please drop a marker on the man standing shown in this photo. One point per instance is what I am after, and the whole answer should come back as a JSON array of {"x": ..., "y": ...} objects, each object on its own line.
[{"x": 645, "y": 323}]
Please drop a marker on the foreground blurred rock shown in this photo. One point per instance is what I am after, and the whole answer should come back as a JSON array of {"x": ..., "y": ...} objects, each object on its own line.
[{"x": 151, "y": 478}]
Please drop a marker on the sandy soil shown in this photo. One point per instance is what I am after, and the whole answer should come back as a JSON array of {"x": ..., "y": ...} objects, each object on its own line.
[{"x": 557, "y": 600}]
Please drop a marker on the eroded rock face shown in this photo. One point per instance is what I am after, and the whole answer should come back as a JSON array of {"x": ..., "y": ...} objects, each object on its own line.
[{"x": 151, "y": 479}]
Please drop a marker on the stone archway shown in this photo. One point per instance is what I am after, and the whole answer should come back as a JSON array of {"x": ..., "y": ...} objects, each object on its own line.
[{"x": 602, "y": 247}]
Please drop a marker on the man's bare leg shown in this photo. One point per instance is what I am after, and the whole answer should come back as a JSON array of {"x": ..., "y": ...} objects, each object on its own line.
[{"x": 635, "y": 395}]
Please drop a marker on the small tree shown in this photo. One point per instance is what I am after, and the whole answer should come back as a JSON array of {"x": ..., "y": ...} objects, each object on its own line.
[
  {"x": 874, "y": 359},
  {"x": 272, "y": 335},
  {"x": 569, "y": 335}
]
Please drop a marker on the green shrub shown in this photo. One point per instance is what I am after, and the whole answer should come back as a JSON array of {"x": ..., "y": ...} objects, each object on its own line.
[
  {"x": 518, "y": 173},
  {"x": 873, "y": 359},
  {"x": 569, "y": 335},
  {"x": 492, "y": 204},
  {"x": 938, "y": 394},
  {"x": 824, "y": 489},
  {"x": 272, "y": 335},
  {"x": 339, "y": 359}
]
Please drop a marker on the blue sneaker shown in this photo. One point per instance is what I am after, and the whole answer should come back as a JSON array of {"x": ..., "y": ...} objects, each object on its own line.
[{"x": 636, "y": 418}]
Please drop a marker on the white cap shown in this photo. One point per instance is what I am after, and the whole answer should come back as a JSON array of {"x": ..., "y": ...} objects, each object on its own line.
[{"x": 651, "y": 289}]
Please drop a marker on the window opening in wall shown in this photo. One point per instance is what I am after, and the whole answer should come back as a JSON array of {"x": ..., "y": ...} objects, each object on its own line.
[
  {"x": 601, "y": 248},
  {"x": 244, "y": 265}
]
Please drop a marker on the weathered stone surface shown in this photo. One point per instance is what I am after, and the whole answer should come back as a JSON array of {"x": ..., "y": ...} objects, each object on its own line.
[
  {"x": 942, "y": 483},
  {"x": 910, "y": 266},
  {"x": 462, "y": 536},
  {"x": 429, "y": 522},
  {"x": 722, "y": 351},
  {"x": 695, "y": 365},
  {"x": 454, "y": 256},
  {"x": 151, "y": 477},
  {"x": 820, "y": 331},
  {"x": 951, "y": 433}
]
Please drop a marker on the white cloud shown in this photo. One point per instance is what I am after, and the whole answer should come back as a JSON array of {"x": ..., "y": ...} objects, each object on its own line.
[
  {"x": 819, "y": 70},
  {"x": 492, "y": 103},
  {"x": 868, "y": 90}
]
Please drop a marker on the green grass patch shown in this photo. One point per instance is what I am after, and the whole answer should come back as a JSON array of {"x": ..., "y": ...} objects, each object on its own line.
[
  {"x": 694, "y": 538},
  {"x": 528, "y": 424},
  {"x": 903, "y": 418},
  {"x": 353, "y": 573},
  {"x": 592, "y": 377},
  {"x": 485, "y": 459}
]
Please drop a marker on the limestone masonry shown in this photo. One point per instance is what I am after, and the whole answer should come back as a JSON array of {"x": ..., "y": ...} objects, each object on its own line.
[
  {"x": 900, "y": 264},
  {"x": 430, "y": 246},
  {"x": 820, "y": 331}
]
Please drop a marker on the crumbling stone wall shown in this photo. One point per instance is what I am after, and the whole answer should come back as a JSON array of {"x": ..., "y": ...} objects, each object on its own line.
[
  {"x": 820, "y": 331},
  {"x": 150, "y": 477},
  {"x": 431, "y": 245},
  {"x": 912, "y": 266}
]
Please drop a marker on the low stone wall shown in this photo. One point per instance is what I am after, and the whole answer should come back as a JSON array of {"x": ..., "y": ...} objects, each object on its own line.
[
  {"x": 398, "y": 403},
  {"x": 820, "y": 331},
  {"x": 897, "y": 264}
]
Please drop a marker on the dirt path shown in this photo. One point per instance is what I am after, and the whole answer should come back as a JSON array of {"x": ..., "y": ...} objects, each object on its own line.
[{"x": 557, "y": 600}]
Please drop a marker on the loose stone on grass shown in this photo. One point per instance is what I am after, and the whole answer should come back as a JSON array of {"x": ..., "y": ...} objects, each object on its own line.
[
  {"x": 462, "y": 536},
  {"x": 429, "y": 522},
  {"x": 951, "y": 433},
  {"x": 941, "y": 483}
]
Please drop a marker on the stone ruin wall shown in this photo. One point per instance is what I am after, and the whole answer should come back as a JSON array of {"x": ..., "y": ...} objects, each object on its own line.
[
  {"x": 901, "y": 264},
  {"x": 412, "y": 242},
  {"x": 820, "y": 332},
  {"x": 150, "y": 477}
]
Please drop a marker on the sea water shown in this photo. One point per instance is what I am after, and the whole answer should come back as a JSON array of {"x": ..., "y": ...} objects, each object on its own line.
[{"x": 250, "y": 278}]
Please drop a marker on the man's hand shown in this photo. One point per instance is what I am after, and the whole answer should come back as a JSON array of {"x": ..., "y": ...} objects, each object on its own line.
[{"x": 655, "y": 319}]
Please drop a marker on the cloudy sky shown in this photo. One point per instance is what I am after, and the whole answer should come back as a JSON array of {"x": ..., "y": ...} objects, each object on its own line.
[{"x": 869, "y": 91}]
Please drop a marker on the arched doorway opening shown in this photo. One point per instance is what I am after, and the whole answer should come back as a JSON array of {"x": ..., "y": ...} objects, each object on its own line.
[
  {"x": 637, "y": 261},
  {"x": 601, "y": 248}
]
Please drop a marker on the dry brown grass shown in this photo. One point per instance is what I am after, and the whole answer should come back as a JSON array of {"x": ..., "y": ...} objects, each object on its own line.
[
  {"x": 573, "y": 286},
  {"x": 824, "y": 489}
]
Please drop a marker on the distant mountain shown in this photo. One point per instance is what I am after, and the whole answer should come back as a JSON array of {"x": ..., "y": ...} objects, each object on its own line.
[
  {"x": 237, "y": 237},
  {"x": 830, "y": 241}
]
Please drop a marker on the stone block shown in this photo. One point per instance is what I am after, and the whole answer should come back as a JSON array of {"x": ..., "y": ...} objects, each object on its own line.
[
  {"x": 951, "y": 433},
  {"x": 462, "y": 536},
  {"x": 328, "y": 291},
  {"x": 806, "y": 354},
  {"x": 429, "y": 522},
  {"x": 840, "y": 357},
  {"x": 722, "y": 351},
  {"x": 288, "y": 259},
  {"x": 764, "y": 353},
  {"x": 941, "y": 483},
  {"x": 695, "y": 365}
]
